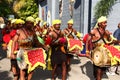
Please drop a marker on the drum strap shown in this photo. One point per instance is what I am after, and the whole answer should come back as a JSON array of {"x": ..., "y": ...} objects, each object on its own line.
[
  {"x": 70, "y": 33},
  {"x": 26, "y": 34},
  {"x": 101, "y": 36},
  {"x": 57, "y": 35}
]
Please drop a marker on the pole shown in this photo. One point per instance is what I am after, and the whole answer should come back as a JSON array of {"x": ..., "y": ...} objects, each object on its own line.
[
  {"x": 81, "y": 29},
  {"x": 89, "y": 15}
]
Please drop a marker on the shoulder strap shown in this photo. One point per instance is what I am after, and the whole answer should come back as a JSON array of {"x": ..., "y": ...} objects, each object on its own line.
[
  {"x": 26, "y": 34},
  {"x": 57, "y": 35},
  {"x": 101, "y": 36},
  {"x": 70, "y": 32}
]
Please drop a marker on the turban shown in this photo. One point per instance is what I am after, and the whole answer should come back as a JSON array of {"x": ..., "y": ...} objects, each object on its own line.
[
  {"x": 70, "y": 21},
  {"x": 30, "y": 18},
  {"x": 13, "y": 20},
  {"x": 38, "y": 19},
  {"x": 102, "y": 19},
  {"x": 44, "y": 23},
  {"x": 18, "y": 21},
  {"x": 57, "y": 21}
]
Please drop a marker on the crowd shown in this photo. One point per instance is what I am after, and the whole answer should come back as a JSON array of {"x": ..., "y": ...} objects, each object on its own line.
[{"x": 29, "y": 45}]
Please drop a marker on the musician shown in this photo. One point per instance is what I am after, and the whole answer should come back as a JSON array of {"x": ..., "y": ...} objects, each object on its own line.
[
  {"x": 37, "y": 27},
  {"x": 58, "y": 57},
  {"x": 98, "y": 35},
  {"x": 45, "y": 29},
  {"x": 8, "y": 38},
  {"x": 70, "y": 33},
  {"x": 16, "y": 24},
  {"x": 24, "y": 39}
]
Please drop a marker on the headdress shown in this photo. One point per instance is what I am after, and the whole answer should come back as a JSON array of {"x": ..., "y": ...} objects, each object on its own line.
[
  {"x": 44, "y": 23},
  {"x": 30, "y": 18},
  {"x": 101, "y": 19},
  {"x": 38, "y": 19},
  {"x": 18, "y": 21},
  {"x": 56, "y": 21},
  {"x": 70, "y": 21}
]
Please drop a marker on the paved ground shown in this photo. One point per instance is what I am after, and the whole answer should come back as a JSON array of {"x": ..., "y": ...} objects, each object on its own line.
[{"x": 81, "y": 69}]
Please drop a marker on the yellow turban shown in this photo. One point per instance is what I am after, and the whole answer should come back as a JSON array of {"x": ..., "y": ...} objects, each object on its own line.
[
  {"x": 70, "y": 21},
  {"x": 102, "y": 19},
  {"x": 57, "y": 21},
  {"x": 13, "y": 20},
  {"x": 19, "y": 21},
  {"x": 44, "y": 23},
  {"x": 38, "y": 19},
  {"x": 30, "y": 18},
  {"x": 53, "y": 22}
]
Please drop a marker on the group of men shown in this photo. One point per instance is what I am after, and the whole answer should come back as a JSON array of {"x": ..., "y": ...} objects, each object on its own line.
[
  {"x": 20, "y": 36},
  {"x": 29, "y": 36}
]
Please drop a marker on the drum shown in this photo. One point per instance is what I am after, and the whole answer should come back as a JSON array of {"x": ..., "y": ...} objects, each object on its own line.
[
  {"x": 100, "y": 57},
  {"x": 35, "y": 57},
  {"x": 21, "y": 59},
  {"x": 31, "y": 58},
  {"x": 75, "y": 46}
]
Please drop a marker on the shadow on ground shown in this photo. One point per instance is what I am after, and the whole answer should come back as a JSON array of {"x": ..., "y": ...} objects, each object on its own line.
[
  {"x": 75, "y": 61},
  {"x": 4, "y": 75},
  {"x": 2, "y": 53},
  {"x": 40, "y": 74},
  {"x": 89, "y": 67}
]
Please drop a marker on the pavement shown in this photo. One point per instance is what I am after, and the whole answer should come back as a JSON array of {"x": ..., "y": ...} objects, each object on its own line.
[{"x": 81, "y": 69}]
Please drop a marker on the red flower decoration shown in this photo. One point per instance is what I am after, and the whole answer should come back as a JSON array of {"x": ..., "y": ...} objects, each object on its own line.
[
  {"x": 12, "y": 33},
  {"x": 62, "y": 40},
  {"x": 6, "y": 38},
  {"x": 48, "y": 40}
]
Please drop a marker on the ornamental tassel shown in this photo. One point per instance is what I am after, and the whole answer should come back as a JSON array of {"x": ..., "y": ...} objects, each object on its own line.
[{"x": 49, "y": 60}]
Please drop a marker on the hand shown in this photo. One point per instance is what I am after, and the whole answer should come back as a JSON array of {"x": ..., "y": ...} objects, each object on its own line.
[{"x": 13, "y": 56}]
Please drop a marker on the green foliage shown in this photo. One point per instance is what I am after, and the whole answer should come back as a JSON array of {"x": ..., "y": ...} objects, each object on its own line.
[
  {"x": 29, "y": 9},
  {"x": 103, "y": 8},
  {"x": 5, "y": 8}
]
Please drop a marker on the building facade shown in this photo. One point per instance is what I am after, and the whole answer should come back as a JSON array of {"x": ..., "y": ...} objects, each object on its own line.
[{"x": 81, "y": 11}]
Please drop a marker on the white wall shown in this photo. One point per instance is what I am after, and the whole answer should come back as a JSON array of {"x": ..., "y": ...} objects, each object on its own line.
[{"x": 114, "y": 18}]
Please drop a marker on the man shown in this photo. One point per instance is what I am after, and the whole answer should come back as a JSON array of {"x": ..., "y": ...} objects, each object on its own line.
[
  {"x": 58, "y": 57},
  {"x": 117, "y": 32},
  {"x": 70, "y": 33},
  {"x": 97, "y": 36},
  {"x": 37, "y": 27},
  {"x": 23, "y": 38}
]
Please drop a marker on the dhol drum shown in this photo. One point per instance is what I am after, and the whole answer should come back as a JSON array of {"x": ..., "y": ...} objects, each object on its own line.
[
  {"x": 100, "y": 57},
  {"x": 21, "y": 59},
  {"x": 75, "y": 46},
  {"x": 31, "y": 58}
]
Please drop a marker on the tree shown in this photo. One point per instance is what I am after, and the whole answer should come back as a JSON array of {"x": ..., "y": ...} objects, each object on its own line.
[
  {"x": 25, "y": 8},
  {"x": 103, "y": 8},
  {"x": 5, "y": 8},
  {"x": 19, "y": 8}
]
